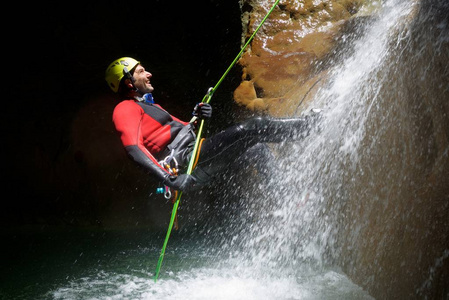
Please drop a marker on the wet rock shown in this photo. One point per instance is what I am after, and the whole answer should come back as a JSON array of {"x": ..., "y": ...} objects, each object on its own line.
[{"x": 289, "y": 51}]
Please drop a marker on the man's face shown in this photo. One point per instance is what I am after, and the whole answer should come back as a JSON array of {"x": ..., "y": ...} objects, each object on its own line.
[{"x": 142, "y": 79}]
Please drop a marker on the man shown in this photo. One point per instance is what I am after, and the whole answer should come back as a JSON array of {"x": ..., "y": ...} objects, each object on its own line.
[{"x": 162, "y": 144}]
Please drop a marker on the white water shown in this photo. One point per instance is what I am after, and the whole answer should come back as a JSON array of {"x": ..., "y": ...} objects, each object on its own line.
[
  {"x": 284, "y": 244},
  {"x": 300, "y": 221},
  {"x": 212, "y": 283}
]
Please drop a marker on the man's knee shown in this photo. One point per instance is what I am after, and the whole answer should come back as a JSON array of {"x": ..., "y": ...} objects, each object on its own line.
[{"x": 254, "y": 124}]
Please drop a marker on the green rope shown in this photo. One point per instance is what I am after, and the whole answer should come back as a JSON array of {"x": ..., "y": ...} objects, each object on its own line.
[{"x": 206, "y": 99}]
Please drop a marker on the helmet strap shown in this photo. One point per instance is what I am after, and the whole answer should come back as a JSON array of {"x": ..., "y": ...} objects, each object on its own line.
[{"x": 131, "y": 78}]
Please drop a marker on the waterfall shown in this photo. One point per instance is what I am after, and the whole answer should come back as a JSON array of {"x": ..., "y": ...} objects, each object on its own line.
[
  {"x": 357, "y": 209},
  {"x": 353, "y": 193}
]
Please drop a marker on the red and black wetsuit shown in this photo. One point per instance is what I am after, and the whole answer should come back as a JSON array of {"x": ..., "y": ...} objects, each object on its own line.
[
  {"x": 146, "y": 130},
  {"x": 149, "y": 133}
]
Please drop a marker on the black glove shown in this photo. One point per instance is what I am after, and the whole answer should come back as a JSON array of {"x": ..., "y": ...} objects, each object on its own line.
[
  {"x": 183, "y": 182},
  {"x": 203, "y": 110}
]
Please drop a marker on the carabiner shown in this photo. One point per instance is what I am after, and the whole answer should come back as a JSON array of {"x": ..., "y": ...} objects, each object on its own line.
[
  {"x": 167, "y": 163},
  {"x": 210, "y": 91},
  {"x": 208, "y": 95},
  {"x": 167, "y": 194}
]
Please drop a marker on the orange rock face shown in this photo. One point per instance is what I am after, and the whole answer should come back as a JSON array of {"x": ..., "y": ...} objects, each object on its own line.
[{"x": 286, "y": 53}]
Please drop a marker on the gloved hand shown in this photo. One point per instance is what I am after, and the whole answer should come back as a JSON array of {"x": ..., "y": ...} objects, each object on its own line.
[
  {"x": 182, "y": 182},
  {"x": 203, "y": 110}
]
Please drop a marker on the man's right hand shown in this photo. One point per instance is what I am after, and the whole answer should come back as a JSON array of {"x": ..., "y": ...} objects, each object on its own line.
[{"x": 183, "y": 182}]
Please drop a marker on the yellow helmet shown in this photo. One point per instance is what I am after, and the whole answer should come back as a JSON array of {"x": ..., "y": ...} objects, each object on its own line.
[{"x": 117, "y": 69}]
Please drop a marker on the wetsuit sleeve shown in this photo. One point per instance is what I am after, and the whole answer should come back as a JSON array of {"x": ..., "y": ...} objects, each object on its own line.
[{"x": 127, "y": 118}]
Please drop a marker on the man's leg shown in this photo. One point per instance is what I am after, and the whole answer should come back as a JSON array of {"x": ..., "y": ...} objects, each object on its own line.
[{"x": 221, "y": 150}]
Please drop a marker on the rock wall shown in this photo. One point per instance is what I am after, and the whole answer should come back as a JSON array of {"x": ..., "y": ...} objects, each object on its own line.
[
  {"x": 288, "y": 57},
  {"x": 393, "y": 237}
]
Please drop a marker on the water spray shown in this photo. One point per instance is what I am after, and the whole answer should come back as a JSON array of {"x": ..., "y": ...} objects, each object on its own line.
[{"x": 206, "y": 99}]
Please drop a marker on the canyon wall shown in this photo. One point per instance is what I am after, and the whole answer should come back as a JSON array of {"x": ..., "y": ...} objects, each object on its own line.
[{"x": 392, "y": 236}]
